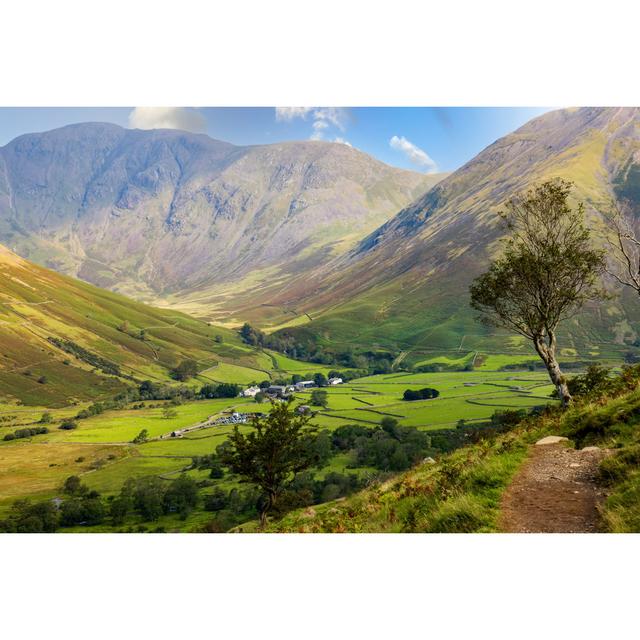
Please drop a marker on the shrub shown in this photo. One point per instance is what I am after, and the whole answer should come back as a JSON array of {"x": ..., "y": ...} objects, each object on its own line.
[
  {"x": 68, "y": 424},
  {"x": 185, "y": 370},
  {"x": 26, "y": 433}
]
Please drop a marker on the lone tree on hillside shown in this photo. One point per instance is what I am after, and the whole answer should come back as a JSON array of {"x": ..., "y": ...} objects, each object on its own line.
[
  {"x": 547, "y": 272},
  {"x": 271, "y": 453}
]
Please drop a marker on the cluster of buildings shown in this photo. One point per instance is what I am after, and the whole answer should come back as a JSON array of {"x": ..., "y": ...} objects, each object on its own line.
[
  {"x": 283, "y": 391},
  {"x": 233, "y": 418}
]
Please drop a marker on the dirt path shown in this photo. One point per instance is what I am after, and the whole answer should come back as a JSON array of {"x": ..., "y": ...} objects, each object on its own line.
[{"x": 554, "y": 492}]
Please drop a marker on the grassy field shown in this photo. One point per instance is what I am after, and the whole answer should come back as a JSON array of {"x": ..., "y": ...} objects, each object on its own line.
[
  {"x": 473, "y": 395},
  {"x": 109, "y": 457}
]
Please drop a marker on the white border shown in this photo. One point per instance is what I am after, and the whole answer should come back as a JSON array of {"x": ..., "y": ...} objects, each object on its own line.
[{"x": 287, "y": 52}]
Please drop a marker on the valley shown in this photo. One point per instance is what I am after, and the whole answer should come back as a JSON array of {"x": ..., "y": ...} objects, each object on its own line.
[
  {"x": 160, "y": 290},
  {"x": 102, "y": 453}
]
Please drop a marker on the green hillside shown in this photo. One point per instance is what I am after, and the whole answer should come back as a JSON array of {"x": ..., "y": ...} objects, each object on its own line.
[
  {"x": 65, "y": 341},
  {"x": 406, "y": 286}
]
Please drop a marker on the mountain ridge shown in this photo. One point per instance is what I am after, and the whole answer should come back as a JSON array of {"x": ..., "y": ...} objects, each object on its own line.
[{"x": 149, "y": 213}]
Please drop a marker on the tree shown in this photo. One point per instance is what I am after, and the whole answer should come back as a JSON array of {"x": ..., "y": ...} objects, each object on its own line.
[
  {"x": 181, "y": 495},
  {"x": 227, "y": 390},
  {"x": 143, "y": 436},
  {"x": 271, "y": 454},
  {"x": 624, "y": 263},
  {"x": 320, "y": 379},
  {"x": 185, "y": 370},
  {"x": 168, "y": 413},
  {"x": 73, "y": 486},
  {"x": 546, "y": 274},
  {"x": 148, "y": 497},
  {"x": 421, "y": 394},
  {"x": 68, "y": 424},
  {"x": 319, "y": 398},
  {"x": 46, "y": 418}
]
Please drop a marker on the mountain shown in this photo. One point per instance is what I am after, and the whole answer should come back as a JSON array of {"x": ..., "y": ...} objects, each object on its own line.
[
  {"x": 406, "y": 285},
  {"x": 64, "y": 341},
  {"x": 164, "y": 213}
]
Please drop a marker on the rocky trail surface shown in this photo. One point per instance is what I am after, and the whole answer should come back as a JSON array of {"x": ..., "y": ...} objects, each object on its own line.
[{"x": 555, "y": 491}]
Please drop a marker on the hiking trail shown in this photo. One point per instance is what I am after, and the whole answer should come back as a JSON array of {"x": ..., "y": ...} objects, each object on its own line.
[{"x": 555, "y": 491}]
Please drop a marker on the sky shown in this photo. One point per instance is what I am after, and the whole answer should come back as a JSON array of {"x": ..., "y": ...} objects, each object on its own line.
[{"x": 425, "y": 139}]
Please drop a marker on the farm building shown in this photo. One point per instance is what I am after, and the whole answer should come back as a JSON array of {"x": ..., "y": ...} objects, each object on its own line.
[
  {"x": 279, "y": 391},
  {"x": 251, "y": 392}
]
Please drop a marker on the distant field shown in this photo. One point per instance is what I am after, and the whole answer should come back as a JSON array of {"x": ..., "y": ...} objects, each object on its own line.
[
  {"x": 472, "y": 395},
  {"x": 225, "y": 372}
]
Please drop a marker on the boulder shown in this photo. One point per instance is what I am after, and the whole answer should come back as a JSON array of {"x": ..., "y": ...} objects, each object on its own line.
[{"x": 552, "y": 440}]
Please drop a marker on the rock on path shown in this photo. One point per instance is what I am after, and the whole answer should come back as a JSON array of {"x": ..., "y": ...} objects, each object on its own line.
[{"x": 555, "y": 491}]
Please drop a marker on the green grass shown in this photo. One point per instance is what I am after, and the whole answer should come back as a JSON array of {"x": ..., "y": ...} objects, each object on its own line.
[{"x": 225, "y": 372}]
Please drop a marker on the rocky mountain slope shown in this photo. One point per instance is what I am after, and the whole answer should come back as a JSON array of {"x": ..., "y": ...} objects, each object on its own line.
[
  {"x": 154, "y": 213},
  {"x": 406, "y": 284}
]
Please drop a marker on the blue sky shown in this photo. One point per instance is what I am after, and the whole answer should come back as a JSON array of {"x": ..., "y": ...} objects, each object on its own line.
[{"x": 425, "y": 139}]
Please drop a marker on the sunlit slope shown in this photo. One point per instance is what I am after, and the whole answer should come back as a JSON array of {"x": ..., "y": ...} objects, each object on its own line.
[
  {"x": 406, "y": 285},
  {"x": 63, "y": 340}
]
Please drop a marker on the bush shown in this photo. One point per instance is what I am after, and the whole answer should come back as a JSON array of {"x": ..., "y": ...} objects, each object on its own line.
[
  {"x": 68, "y": 424},
  {"x": 26, "y": 433},
  {"x": 595, "y": 381},
  {"x": 185, "y": 370}
]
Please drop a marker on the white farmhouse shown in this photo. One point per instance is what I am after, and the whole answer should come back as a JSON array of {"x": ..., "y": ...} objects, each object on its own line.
[
  {"x": 335, "y": 380},
  {"x": 250, "y": 392}
]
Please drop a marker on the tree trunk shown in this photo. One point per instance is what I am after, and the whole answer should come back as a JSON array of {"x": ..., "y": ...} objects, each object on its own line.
[
  {"x": 271, "y": 498},
  {"x": 548, "y": 355}
]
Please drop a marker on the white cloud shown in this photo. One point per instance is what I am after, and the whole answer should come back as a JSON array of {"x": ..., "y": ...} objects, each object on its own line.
[
  {"x": 183, "y": 118},
  {"x": 415, "y": 154},
  {"x": 323, "y": 118},
  {"x": 331, "y": 115},
  {"x": 286, "y": 114},
  {"x": 340, "y": 140}
]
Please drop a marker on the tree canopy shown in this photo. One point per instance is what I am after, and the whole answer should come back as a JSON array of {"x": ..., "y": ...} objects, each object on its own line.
[
  {"x": 547, "y": 272},
  {"x": 270, "y": 454}
]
